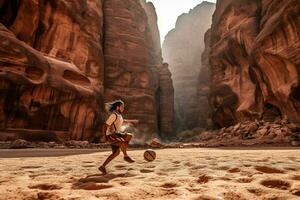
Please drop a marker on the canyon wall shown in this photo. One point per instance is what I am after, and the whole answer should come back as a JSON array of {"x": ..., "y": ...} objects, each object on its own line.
[
  {"x": 255, "y": 60},
  {"x": 182, "y": 49},
  {"x": 165, "y": 90},
  {"x": 60, "y": 61}
]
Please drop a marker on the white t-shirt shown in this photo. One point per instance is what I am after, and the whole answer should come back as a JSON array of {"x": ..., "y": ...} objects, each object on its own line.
[{"x": 115, "y": 121}]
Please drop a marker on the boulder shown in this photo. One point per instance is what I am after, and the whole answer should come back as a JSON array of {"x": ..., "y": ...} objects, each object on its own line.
[{"x": 20, "y": 144}]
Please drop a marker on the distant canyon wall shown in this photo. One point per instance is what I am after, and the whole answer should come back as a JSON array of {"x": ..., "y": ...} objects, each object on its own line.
[
  {"x": 182, "y": 49},
  {"x": 255, "y": 60},
  {"x": 60, "y": 61}
]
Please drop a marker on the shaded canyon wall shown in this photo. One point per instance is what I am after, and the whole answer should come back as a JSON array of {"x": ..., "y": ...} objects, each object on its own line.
[
  {"x": 255, "y": 61},
  {"x": 61, "y": 60},
  {"x": 182, "y": 49}
]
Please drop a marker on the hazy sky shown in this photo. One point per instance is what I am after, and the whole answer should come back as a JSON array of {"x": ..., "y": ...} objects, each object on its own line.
[{"x": 169, "y": 10}]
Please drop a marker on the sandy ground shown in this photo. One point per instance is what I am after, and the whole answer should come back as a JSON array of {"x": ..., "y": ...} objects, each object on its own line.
[{"x": 202, "y": 174}]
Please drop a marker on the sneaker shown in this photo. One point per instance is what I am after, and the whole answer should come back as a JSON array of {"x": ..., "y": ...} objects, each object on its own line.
[
  {"x": 102, "y": 169},
  {"x": 128, "y": 159}
]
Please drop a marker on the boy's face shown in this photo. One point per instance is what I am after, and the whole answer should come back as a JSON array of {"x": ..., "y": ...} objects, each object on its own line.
[{"x": 121, "y": 108}]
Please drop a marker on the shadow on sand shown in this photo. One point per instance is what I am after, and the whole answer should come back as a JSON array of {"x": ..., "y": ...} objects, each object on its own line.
[{"x": 98, "y": 181}]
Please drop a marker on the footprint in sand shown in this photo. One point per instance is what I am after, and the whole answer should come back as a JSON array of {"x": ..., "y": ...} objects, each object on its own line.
[
  {"x": 222, "y": 168},
  {"x": 53, "y": 170},
  {"x": 98, "y": 178},
  {"x": 292, "y": 158},
  {"x": 151, "y": 166},
  {"x": 124, "y": 183},
  {"x": 244, "y": 180},
  {"x": 268, "y": 170},
  {"x": 87, "y": 166},
  {"x": 290, "y": 168},
  {"x": 295, "y": 191},
  {"x": 233, "y": 196},
  {"x": 91, "y": 186},
  {"x": 262, "y": 160},
  {"x": 146, "y": 171},
  {"x": 45, "y": 186},
  {"x": 68, "y": 169},
  {"x": 162, "y": 174},
  {"x": 195, "y": 190},
  {"x": 276, "y": 184},
  {"x": 47, "y": 195},
  {"x": 234, "y": 170},
  {"x": 296, "y": 177},
  {"x": 203, "y": 179},
  {"x": 189, "y": 164},
  {"x": 176, "y": 162},
  {"x": 169, "y": 185},
  {"x": 31, "y": 167},
  {"x": 225, "y": 179},
  {"x": 33, "y": 176},
  {"x": 88, "y": 162},
  {"x": 256, "y": 191},
  {"x": 198, "y": 167},
  {"x": 169, "y": 169},
  {"x": 205, "y": 198},
  {"x": 120, "y": 166},
  {"x": 130, "y": 169}
]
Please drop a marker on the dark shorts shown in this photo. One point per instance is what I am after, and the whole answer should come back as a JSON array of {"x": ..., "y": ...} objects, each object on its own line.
[{"x": 115, "y": 140}]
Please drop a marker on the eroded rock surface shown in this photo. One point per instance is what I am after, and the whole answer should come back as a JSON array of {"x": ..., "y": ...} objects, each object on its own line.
[
  {"x": 255, "y": 59},
  {"x": 51, "y": 66},
  {"x": 61, "y": 60}
]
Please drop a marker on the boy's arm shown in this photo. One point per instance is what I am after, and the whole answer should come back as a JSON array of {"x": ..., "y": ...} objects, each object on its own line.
[
  {"x": 104, "y": 131},
  {"x": 133, "y": 121},
  {"x": 105, "y": 127},
  {"x": 111, "y": 119}
]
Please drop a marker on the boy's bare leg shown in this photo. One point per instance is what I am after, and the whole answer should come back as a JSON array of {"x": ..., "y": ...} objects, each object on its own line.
[
  {"x": 108, "y": 160},
  {"x": 124, "y": 147}
]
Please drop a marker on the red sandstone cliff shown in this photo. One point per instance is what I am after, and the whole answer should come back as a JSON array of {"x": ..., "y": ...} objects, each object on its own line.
[
  {"x": 255, "y": 60},
  {"x": 182, "y": 49},
  {"x": 165, "y": 90},
  {"x": 61, "y": 60}
]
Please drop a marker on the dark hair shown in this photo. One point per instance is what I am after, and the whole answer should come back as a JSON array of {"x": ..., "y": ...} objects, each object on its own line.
[{"x": 111, "y": 106}]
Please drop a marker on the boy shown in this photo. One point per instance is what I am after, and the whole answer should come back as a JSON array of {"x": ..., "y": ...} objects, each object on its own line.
[{"x": 118, "y": 140}]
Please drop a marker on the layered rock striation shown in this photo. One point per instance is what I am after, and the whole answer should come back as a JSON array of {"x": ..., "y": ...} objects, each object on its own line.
[
  {"x": 61, "y": 61},
  {"x": 255, "y": 59}
]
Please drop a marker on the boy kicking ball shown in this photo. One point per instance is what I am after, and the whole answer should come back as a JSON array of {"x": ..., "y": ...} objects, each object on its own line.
[{"x": 118, "y": 140}]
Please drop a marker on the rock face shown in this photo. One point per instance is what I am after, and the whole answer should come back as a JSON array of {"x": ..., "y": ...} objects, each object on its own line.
[
  {"x": 203, "y": 87},
  {"x": 165, "y": 95},
  {"x": 60, "y": 61},
  {"x": 255, "y": 60},
  {"x": 51, "y": 66},
  {"x": 182, "y": 49}
]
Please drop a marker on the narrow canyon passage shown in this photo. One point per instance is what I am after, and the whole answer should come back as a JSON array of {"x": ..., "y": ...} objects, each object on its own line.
[{"x": 201, "y": 66}]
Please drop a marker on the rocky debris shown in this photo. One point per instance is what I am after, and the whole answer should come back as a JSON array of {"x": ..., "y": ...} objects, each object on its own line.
[
  {"x": 20, "y": 144},
  {"x": 77, "y": 144},
  {"x": 23, "y": 144},
  {"x": 254, "y": 61},
  {"x": 156, "y": 143},
  {"x": 249, "y": 133}
]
